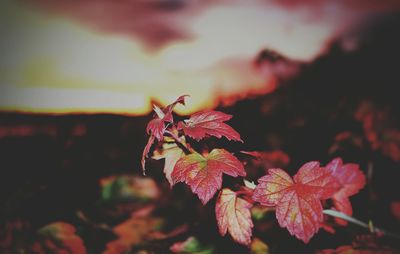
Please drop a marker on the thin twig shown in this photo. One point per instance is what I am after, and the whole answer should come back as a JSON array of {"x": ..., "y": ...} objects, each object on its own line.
[
  {"x": 178, "y": 142},
  {"x": 359, "y": 223}
]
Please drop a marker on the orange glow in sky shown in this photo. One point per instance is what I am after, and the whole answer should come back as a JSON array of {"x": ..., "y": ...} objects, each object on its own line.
[{"x": 56, "y": 64}]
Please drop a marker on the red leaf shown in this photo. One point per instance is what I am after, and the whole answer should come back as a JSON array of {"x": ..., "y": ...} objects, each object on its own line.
[
  {"x": 156, "y": 126},
  {"x": 168, "y": 109},
  {"x": 297, "y": 201},
  {"x": 351, "y": 180},
  {"x": 146, "y": 152},
  {"x": 234, "y": 216},
  {"x": 395, "y": 209},
  {"x": 201, "y": 124},
  {"x": 204, "y": 174}
]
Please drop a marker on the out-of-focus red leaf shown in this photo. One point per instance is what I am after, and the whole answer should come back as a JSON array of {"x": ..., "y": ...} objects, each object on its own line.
[
  {"x": 297, "y": 200},
  {"x": 391, "y": 144},
  {"x": 234, "y": 216},
  {"x": 328, "y": 228},
  {"x": 139, "y": 228},
  {"x": 351, "y": 180},
  {"x": 273, "y": 159},
  {"x": 12, "y": 236},
  {"x": 362, "y": 244},
  {"x": 58, "y": 237},
  {"x": 204, "y": 174},
  {"x": 344, "y": 139},
  {"x": 395, "y": 209},
  {"x": 171, "y": 153},
  {"x": 201, "y": 124}
]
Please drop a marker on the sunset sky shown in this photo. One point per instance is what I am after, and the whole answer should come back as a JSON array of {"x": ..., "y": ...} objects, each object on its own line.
[{"x": 93, "y": 56}]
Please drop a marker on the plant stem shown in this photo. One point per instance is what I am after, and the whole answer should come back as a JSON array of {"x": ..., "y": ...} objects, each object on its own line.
[
  {"x": 178, "y": 142},
  {"x": 359, "y": 223}
]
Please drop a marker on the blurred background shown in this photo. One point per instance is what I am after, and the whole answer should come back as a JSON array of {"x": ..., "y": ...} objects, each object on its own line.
[{"x": 310, "y": 79}]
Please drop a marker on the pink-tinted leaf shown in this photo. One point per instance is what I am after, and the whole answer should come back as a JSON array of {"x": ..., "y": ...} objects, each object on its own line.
[
  {"x": 272, "y": 187},
  {"x": 300, "y": 213},
  {"x": 168, "y": 109},
  {"x": 349, "y": 175},
  {"x": 146, "y": 152},
  {"x": 317, "y": 179},
  {"x": 351, "y": 180},
  {"x": 342, "y": 204},
  {"x": 297, "y": 202},
  {"x": 234, "y": 216},
  {"x": 204, "y": 174},
  {"x": 211, "y": 123},
  {"x": 156, "y": 127}
]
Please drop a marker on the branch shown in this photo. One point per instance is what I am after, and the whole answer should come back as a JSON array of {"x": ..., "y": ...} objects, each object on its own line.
[
  {"x": 359, "y": 223},
  {"x": 178, "y": 142}
]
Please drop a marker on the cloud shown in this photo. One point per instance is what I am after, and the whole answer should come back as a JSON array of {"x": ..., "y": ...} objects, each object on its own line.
[
  {"x": 55, "y": 54},
  {"x": 158, "y": 23}
]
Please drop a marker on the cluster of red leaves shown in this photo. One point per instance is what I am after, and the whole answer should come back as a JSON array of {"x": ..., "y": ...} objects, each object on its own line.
[
  {"x": 297, "y": 200},
  {"x": 379, "y": 129},
  {"x": 56, "y": 237}
]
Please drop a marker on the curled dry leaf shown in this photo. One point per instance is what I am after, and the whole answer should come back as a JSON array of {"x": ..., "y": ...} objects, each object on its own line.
[
  {"x": 211, "y": 123},
  {"x": 234, "y": 216},
  {"x": 204, "y": 173},
  {"x": 297, "y": 200}
]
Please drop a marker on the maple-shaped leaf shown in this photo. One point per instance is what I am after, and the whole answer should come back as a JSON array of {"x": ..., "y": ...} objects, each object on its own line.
[
  {"x": 234, "y": 216},
  {"x": 156, "y": 127},
  {"x": 58, "y": 237},
  {"x": 211, "y": 123},
  {"x": 204, "y": 173},
  {"x": 351, "y": 180},
  {"x": 297, "y": 200},
  {"x": 171, "y": 153}
]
